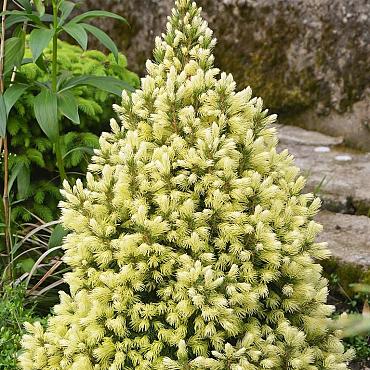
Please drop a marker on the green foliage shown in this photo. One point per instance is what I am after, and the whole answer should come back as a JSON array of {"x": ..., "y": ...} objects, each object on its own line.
[
  {"x": 352, "y": 303},
  {"x": 45, "y": 85},
  {"x": 33, "y": 150},
  {"x": 191, "y": 245},
  {"x": 361, "y": 345},
  {"x": 13, "y": 313}
]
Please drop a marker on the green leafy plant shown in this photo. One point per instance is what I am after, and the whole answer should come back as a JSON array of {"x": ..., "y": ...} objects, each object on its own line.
[
  {"x": 54, "y": 100},
  {"x": 191, "y": 244},
  {"x": 13, "y": 313},
  {"x": 32, "y": 152}
]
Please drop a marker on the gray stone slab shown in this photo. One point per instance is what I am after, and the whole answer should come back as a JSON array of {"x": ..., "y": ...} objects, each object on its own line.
[
  {"x": 341, "y": 177},
  {"x": 298, "y": 136},
  {"x": 348, "y": 237}
]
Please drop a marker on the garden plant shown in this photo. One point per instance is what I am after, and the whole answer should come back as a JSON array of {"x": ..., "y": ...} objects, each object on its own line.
[
  {"x": 192, "y": 245},
  {"x": 13, "y": 312},
  {"x": 50, "y": 113},
  {"x": 32, "y": 155}
]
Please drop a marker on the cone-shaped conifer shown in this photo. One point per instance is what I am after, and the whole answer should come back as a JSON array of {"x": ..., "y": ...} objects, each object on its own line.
[{"x": 191, "y": 246}]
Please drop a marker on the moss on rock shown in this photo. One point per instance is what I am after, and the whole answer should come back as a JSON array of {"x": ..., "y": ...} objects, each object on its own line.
[{"x": 306, "y": 56}]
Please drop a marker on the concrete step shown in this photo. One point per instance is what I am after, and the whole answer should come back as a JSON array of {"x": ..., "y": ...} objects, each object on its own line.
[
  {"x": 341, "y": 177},
  {"x": 348, "y": 237}
]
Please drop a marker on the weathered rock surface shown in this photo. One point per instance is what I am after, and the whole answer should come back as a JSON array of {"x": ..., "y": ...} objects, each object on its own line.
[
  {"x": 342, "y": 180},
  {"x": 348, "y": 237},
  {"x": 308, "y": 59},
  {"x": 353, "y": 125},
  {"x": 360, "y": 365},
  {"x": 341, "y": 177}
]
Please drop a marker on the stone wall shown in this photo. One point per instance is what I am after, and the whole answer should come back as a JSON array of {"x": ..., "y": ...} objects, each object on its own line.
[{"x": 308, "y": 59}]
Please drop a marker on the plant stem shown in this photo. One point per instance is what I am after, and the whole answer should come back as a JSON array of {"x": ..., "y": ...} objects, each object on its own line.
[
  {"x": 6, "y": 204},
  {"x": 54, "y": 71},
  {"x": 2, "y": 47},
  {"x": 5, "y": 152},
  {"x": 60, "y": 164},
  {"x": 54, "y": 74}
]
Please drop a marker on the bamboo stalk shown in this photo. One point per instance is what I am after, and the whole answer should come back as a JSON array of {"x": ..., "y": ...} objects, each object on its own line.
[
  {"x": 7, "y": 205},
  {"x": 2, "y": 46},
  {"x": 54, "y": 75},
  {"x": 5, "y": 148}
]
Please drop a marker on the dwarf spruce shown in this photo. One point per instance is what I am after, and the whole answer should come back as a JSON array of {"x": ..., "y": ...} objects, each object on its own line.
[{"x": 191, "y": 245}]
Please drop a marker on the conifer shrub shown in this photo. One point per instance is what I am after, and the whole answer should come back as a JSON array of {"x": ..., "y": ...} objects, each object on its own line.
[
  {"x": 192, "y": 246},
  {"x": 33, "y": 150}
]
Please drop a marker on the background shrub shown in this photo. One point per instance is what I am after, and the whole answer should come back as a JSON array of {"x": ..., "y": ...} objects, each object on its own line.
[{"x": 32, "y": 151}]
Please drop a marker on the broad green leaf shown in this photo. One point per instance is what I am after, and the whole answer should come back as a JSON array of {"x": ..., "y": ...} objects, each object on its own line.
[
  {"x": 39, "y": 40},
  {"x": 46, "y": 113},
  {"x": 27, "y": 61},
  {"x": 19, "y": 31},
  {"x": 106, "y": 83},
  {"x": 77, "y": 32},
  {"x": 63, "y": 78},
  {"x": 47, "y": 18},
  {"x": 66, "y": 9},
  {"x": 3, "y": 116},
  {"x": 14, "y": 172},
  {"x": 12, "y": 94},
  {"x": 26, "y": 264},
  {"x": 26, "y": 4},
  {"x": 97, "y": 13},
  {"x": 40, "y": 7},
  {"x": 14, "y": 51},
  {"x": 40, "y": 62},
  {"x": 23, "y": 182},
  {"x": 56, "y": 237},
  {"x": 33, "y": 17},
  {"x": 68, "y": 106},
  {"x": 11, "y": 20},
  {"x": 103, "y": 38}
]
